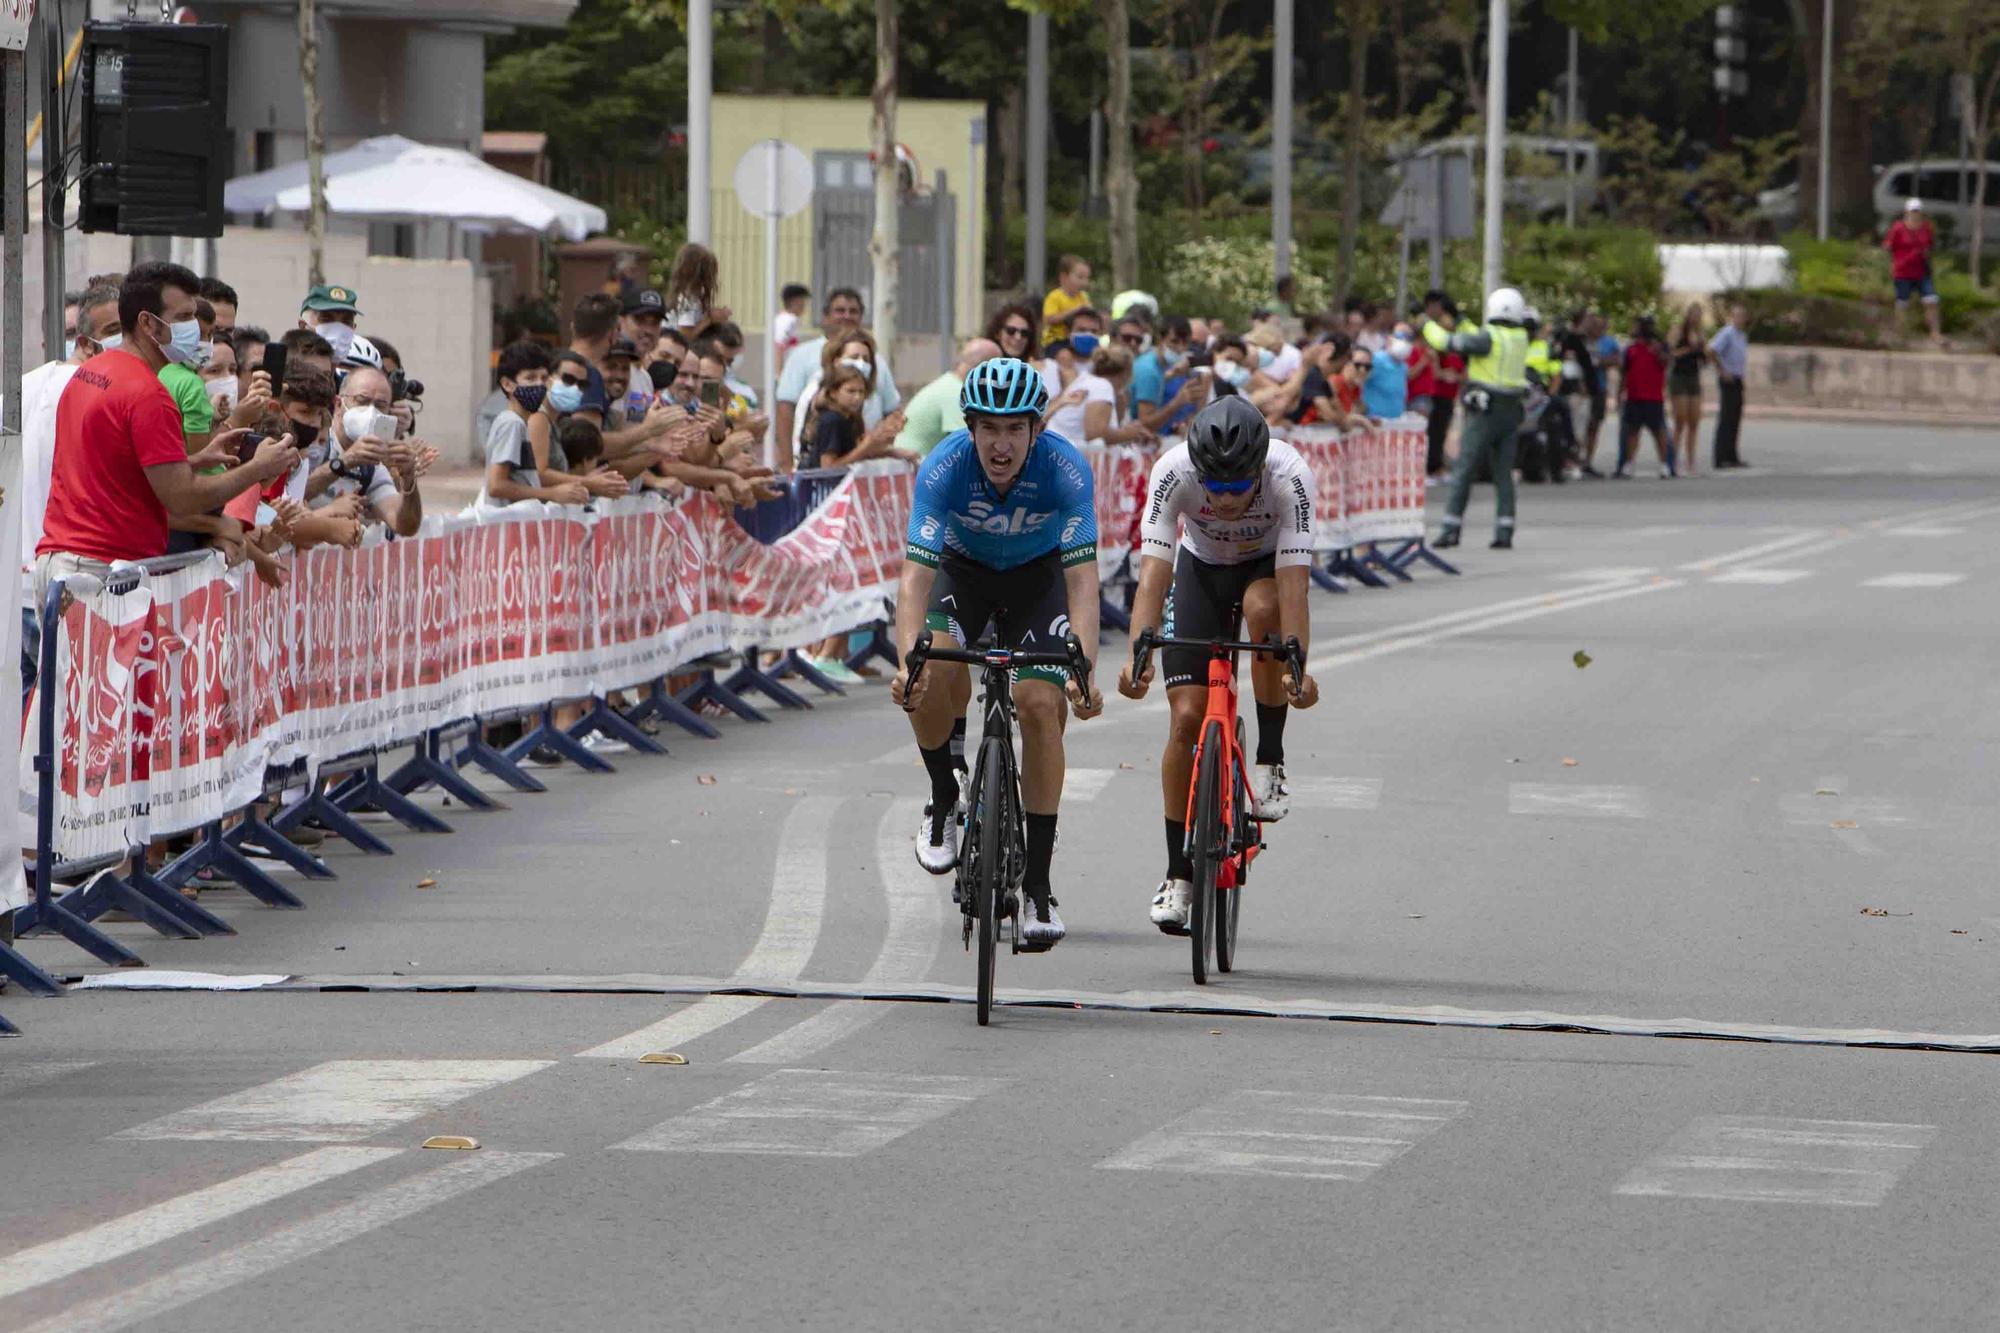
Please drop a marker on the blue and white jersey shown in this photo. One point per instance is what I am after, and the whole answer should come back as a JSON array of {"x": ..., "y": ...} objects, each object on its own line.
[{"x": 1052, "y": 506}]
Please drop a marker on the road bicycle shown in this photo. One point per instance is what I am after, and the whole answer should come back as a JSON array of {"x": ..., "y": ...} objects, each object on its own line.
[
  {"x": 993, "y": 853},
  {"x": 1223, "y": 835}
]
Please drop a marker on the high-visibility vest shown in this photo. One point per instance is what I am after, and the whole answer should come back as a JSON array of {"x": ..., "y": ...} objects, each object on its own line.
[{"x": 1505, "y": 365}]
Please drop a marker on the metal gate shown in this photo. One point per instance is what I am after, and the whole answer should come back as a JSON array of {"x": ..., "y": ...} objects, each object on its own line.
[{"x": 843, "y": 222}]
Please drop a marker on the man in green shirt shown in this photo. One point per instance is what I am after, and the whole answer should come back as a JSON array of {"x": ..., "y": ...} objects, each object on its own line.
[{"x": 932, "y": 412}]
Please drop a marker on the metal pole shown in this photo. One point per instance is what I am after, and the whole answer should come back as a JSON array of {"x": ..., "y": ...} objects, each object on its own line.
[
  {"x": 1569, "y": 141},
  {"x": 941, "y": 230},
  {"x": 773, "y": 150},
  {"x": 1825, "y": 115},
  {"x": 54, "y": 140},
  {"x": 974, "y": 258},
  {"x": 701, "y": 88},
  {"x": 1281, "y": 141},
  {"x": 1437, "y": 222},
  {"x": 13, "y": 222},
  {"x": 1035, "y": 265},
  {"x": 1094, "y": 190},
  {"x": 1496, "y": 137}
]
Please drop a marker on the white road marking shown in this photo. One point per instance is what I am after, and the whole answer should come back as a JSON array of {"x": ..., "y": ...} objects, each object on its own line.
[
  {"x": 1714, "y": 562},
  {"x": 28, "y": 1073},
  {"x": 784, "y": 946},
  {"x": 1913, "y": 580},
  {"x": 1083, "y": 784},
  {"x": 460, "y": 1174},
  {"x": 341, "y": 1101},
  {"x": 1762, "y": 576},
  {"x": 1922, "y": 530},
  {"x": 1562, "y": 798},
  {"x": 904, "y": 754},
  {"x": 1317, "y": 793},
  {"x": 1766, "y": 1159},
  {"x": 909, "y": 948},
  {"x": 65, "y": 1256},
  {"x": 1316, "y": 1136},
  {"x": 1608, "y": 574},
  {"x": 814, "y": 1113},
  {"x": 1547, "y": 606}
]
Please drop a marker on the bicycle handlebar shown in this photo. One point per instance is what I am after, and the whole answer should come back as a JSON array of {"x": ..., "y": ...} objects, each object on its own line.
[
  {"x": 1293, "y": 654},
  {"x": 1071, "y": 660}
]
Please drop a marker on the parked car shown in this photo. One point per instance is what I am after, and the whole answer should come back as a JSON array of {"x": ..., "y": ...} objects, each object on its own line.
[{"x": 1942, "y": 183}]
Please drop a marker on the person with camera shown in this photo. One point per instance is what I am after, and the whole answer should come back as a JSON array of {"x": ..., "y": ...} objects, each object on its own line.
[{"x": 364, "y": 456}]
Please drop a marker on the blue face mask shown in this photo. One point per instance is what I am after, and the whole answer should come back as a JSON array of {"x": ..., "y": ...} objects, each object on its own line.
[
  {"x": 69, "y": 350},
  {"x": 1083, "y": 344},
  {"x": 184, "y": 345},
  {"x": 1233, "y": 373},
  {"x": 566, "y": 397}
]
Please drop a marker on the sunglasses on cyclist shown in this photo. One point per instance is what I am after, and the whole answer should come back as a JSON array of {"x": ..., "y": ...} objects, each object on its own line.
[{"x": 1241, "y": 486}]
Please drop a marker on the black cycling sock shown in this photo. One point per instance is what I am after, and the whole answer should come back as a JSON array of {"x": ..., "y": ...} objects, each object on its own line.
[
  {"x": 944, "y": 778},
  {"x": 1271, "y": 733},
  {"x": 958, "y": 745},
  {"x": 1179, "y": 866},
  {"x": 1041, "y": 847}
]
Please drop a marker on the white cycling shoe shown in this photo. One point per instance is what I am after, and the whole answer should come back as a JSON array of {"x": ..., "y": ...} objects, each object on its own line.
[
  {"x": 1170, "y": 906},
  {"x": 1270, "y": 798},
  {"x": 937, "y": 840},
  {"x": 1038, "y": 923}
]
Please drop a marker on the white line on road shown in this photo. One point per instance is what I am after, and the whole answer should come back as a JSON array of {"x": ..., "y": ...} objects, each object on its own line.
[
  {"x": 1548, "y": 606},
  {"x": 909, "y": 948},
  {"x": 1913, "y": 580},
  {"x": 1317, "y": 1136},
  {"x": 1608, "y": 574},
  {"x": 28, "y": 1073},
  {"x": 1317, "y": 793},
  {"x": 1084, "y": 784},
  {"x": 57, "y": 1259},
  {"x": 784, "y": 946},
  {"x": 814, "y": 1113},
  {"x": 341, "y": 1101},
  {"x": 1922, "y": 530},
  {"x": 1771, "y": 577},
  {"x": 1715, "y": 562},
  {"x": 219, "y": 1272},
  {"x": 1561, "y": 798},
  {"x": 1766, "y": 1159}
]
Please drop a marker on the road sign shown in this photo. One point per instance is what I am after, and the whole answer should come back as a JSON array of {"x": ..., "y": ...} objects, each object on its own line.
[
  {"x": 1435, "y": 192},
  {"x": 773, "y": 178}
]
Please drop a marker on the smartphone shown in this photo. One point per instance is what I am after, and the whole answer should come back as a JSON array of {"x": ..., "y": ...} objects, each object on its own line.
[
  {"x": 246, "y": 448},
  {"x": 712, "y": 393},
  {"x": 274, "y": 366}
]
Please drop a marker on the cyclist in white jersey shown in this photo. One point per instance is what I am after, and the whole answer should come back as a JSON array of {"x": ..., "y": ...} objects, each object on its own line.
[{"x": 1228, "y": 523}]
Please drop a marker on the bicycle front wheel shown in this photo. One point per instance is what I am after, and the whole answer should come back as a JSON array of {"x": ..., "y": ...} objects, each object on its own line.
[
  {"x": 991, "y": 812},
  {"x": 1229, "y": 901},
  {"x": 1208, "y": 850}
]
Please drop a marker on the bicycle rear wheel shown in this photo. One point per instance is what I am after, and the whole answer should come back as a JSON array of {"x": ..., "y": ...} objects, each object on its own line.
[
  {"x": 1208, "y": 850},
  {"x": 1229, "y": 901},
  {"x": 990, "y": 810}
]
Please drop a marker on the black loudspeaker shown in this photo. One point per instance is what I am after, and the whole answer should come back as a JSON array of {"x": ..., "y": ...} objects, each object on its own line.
[{"x": 155, "y": 132}]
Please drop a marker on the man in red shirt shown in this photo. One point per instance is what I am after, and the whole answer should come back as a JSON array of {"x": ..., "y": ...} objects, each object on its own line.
[
  {"x": 1909, "y": 245},
  {"x": 121, "y": 470},
  {"x": 1642, "y": 397}
]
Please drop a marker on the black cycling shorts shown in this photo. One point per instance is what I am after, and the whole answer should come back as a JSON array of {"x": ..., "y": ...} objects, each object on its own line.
[
  {"x": 1202, "y": 604},
  {"x": 1028, "y": 606}
]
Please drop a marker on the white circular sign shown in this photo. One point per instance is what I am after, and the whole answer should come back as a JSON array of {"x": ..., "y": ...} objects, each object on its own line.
[{"x": 773, "y": 179}]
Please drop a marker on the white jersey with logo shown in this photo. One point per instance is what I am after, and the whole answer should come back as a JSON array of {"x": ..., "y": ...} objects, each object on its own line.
[{"x": 1278, "y": 522}]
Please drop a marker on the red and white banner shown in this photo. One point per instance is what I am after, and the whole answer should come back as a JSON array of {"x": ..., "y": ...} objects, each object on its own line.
[{"x": 178, "y": 694}]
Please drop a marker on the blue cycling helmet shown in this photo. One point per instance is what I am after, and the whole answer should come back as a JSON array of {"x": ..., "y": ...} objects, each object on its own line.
[{"x": 1003, "y": 387}]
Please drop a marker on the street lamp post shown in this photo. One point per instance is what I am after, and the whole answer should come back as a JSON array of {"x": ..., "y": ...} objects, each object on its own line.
[{"x": 1496, "y": 136}]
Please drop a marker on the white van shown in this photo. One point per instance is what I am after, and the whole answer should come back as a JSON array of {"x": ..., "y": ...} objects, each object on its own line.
[{"x": 1945, "y": 185}]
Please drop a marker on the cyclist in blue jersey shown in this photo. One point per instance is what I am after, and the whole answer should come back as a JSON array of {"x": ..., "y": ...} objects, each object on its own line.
[{"x": 1003, "y": 527}]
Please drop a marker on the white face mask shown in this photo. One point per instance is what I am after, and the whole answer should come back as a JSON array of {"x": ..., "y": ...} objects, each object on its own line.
[
  {"x": 340, "y": 337},
  {"x": 357, "y": 422},
  {"x": 221, "y": 387},
  {"x": 865, "y": 367},
  {"x": 1399, "y": 349}
]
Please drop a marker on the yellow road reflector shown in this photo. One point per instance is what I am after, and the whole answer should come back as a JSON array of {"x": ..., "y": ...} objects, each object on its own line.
[
  {"x": 456, "y": 1142},
  {"x": 663, "y": 1058}
]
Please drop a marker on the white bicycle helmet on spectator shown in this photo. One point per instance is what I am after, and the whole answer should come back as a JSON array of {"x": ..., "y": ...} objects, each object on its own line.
[
  {"x": 1135, "y": 302},
  {"x": 1504, "y": 306},
  {"x": 362, "y": 353}
]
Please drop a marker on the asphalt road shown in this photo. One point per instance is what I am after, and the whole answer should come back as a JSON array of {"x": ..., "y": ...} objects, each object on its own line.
[{"x": 1764, "y": 810}]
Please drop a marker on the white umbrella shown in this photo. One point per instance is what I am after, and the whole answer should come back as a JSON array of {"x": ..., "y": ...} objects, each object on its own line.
[{"x": 395, "y": 179}]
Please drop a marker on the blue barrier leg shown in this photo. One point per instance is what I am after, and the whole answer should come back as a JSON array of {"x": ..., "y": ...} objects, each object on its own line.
[
  {"x": 477, "y": 752},
  {"x": 184, "y": 907},
  {"x": 658, "y": 703},
  {"x": 1323, "y": 575},
  {"x": 878, "y": 645},
  {"x": 8, "y": 1029},
  {"x": 608, "y": 721},
  {"x": 366, "y": 789},
  {"x": 547, "y": 734},
  {"x": 215, "y": 852},
  {"x": 108, "y": 891},
  {"x": 1346, "y": 566},
  {"x": 709, "y": 689},
  {"x": 333, "y": 819},
  {"x": 426, "y": 768},
  {"x": 55, "y": 918},
  {"x": 750, "y": 676},
  {"x": 26, "y": 975},
  {"x": 795, "y": 663},
  {"x": 1376, "y": 560},
  {"x": 257, "y": 835},
  {"x": 1419, "y": 549}
]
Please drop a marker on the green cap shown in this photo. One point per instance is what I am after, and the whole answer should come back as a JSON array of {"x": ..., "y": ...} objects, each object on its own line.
[{"x": 324, "y": 297}]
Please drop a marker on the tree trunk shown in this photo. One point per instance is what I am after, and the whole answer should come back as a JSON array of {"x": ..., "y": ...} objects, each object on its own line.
[
  {"x": 1853, "y": 180},
  {"x": 315, "y": 143},
  {"x": 1982, "y": 133},
  {"x": 1124, "y": 179},
  {"x": 1399, "y": 50},
  {"x": 884, "y": 247},
  {"x": 1360, "y": 24},
  {"x": 1011, "y": 108}
]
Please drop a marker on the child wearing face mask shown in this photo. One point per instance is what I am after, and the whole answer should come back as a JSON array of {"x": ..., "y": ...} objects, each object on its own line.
[{"x": 511, "y": 471}]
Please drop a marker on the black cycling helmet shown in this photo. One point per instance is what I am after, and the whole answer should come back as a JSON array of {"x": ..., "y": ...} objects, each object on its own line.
[{"x": 1228, "y": 440}]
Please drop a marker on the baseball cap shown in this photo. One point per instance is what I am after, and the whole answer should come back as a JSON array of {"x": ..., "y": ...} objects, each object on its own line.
[
  {"x": 648, "y": 302},
  {"x": 1914, "y": 206},
  {"x": 624, "y": 347},
  {"x": 327, "y": 297}
]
